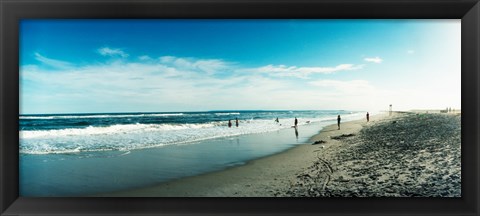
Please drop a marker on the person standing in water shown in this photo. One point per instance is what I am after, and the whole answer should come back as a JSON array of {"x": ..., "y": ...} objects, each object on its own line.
[
  {"x": 229, "y": 123},
  {"x": 276, "y": 120},
  {"x": 236, "y": 122},
  {"x": 368, "y": 117},
  {"x": 296, "y": 133},
  {"x": 296, "y": 122},
  {"x": 338, "y": 121}
]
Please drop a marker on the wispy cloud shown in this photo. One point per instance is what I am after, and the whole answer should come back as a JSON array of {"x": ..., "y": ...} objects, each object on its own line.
[
  {"x": 144, "y": 58},
  {"x": 209, "y": 66},
  {"x": 52, "y": 62},
  {"x": 171, "y": 83},
  {"x": 167, "y": 59},
  {"x": 301, "y": 72},
  {"x": 377, "y": 60},
  {"x": 142, "y": 84},
  {"x": 106, "y": 51}
]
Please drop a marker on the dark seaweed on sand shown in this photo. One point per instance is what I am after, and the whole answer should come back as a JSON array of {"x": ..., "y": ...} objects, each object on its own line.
[
  {"x": 319, "y": 142},
  {"x": 343, "y": 136}
]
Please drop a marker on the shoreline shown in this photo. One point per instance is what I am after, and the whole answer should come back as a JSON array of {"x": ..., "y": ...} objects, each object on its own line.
[
  {"x": 102, "y": 172},
  {"x": 268, "y": 176},
  {"x": 386, "y": 157}
]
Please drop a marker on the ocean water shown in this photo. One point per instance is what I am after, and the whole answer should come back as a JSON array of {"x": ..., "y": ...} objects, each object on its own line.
[{"x": 86, "y": 154}]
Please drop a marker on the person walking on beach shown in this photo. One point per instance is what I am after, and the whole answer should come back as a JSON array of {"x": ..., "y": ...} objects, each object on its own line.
[
  {"x": 338, "y": 121},
  {"x": 229, "y": 123},
  {"x": 236, "y": 122},
  {"x": 368, "y": 117},
  {"x": 296, "y": 122}
]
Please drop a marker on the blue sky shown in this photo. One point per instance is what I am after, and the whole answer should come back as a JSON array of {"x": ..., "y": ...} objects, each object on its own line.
[{"x": 89, "y": 66}]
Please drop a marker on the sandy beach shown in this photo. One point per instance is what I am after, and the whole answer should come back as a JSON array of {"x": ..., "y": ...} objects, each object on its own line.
[{"x": 403, "y": 155}]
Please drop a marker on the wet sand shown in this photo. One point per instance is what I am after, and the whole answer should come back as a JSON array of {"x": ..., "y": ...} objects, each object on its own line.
[{"x": 378, "y": 158}]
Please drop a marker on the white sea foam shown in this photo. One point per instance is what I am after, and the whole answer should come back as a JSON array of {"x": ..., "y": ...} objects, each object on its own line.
[
  {"x": 137, "y": 136},
  {"x": 101, "y": 116},
  {"x": 110, "y": 130},
  {"x": 221, "y": 114}
]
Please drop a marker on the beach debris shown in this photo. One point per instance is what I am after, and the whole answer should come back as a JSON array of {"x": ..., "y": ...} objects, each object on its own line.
[
  {"x": 306, "y": 175},
  {"x": 343, "y": 136},
  {"x": 319, "y": 142}
]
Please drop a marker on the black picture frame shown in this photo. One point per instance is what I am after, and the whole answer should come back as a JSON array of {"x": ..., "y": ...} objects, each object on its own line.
[{"x": 12, "y": 11}]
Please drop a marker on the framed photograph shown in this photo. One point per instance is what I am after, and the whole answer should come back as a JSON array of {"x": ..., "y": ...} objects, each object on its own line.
[{"x": 239, "y": 108}]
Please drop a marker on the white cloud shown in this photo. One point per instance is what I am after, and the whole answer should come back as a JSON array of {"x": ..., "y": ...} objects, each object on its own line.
[
  {"x": 411, "y": 51},
  {"x": 377, "y": 60},
  {"x": 167, "y": 59},
  {"x": 302, "y": 72},
  {"x": 172, "y": 83},
  {"x": 119, "y": 85},
  {"x": 145, "y": 58},
  {"x": 52, "y": 62},
  {"x": 106, "y": 51},
  {"x": 209, "y": 66}
]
